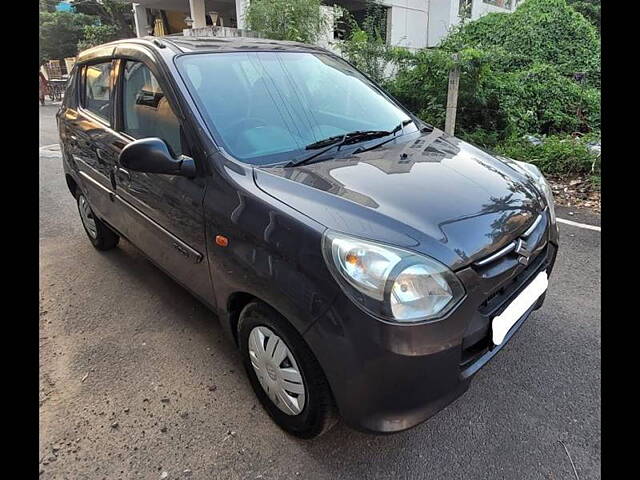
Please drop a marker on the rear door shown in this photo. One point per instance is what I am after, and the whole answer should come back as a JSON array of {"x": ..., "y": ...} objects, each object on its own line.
[
  {"x": 90, "y": 135},
  {"x": 161, "y": 214}
]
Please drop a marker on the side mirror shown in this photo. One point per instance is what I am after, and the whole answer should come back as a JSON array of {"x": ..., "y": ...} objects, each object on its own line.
[{"x": 151, "y": 155}]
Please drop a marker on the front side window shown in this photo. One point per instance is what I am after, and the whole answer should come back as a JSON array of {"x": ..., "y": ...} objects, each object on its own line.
[
  {"x": 146, "y": 110},
  {"x": 97, "y": 89},
  {"x": 266, "y": 107}
]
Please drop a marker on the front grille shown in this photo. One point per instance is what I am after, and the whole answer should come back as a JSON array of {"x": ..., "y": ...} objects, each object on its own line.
[
  {"x": 479, "y": 343},
  {"x": 503, "y": 295},
  {"x": 534, "y": 235}
]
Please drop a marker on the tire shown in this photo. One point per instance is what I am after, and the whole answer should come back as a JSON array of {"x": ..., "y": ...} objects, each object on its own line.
[
  {"x": 317, "y": 413},
  {"x": 100, "y": 236}
]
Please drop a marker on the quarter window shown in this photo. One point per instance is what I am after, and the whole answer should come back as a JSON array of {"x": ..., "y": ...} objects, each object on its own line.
[
  {"x": 97, "y": 89},
  {"x": 146, "y": 111}
]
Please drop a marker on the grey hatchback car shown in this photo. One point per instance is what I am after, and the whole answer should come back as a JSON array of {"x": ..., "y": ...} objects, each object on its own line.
[{"x": 365, "y": 263}]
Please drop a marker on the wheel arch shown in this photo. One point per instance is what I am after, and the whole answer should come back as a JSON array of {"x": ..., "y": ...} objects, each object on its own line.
[
  {"x": 72, "y": 185},
  {"x": 234, "y": 305},
  {"x": 236, "y": 302}
]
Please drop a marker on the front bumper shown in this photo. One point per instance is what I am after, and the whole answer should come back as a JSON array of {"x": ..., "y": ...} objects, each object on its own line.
[{"x": 387, "y": 377}]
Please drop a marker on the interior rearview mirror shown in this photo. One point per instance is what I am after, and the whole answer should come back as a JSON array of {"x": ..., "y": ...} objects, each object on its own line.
[{"x": 151, "y": 155}]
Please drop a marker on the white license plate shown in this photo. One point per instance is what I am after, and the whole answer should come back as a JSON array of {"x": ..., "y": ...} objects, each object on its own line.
[{"x": 503, "y": 322}]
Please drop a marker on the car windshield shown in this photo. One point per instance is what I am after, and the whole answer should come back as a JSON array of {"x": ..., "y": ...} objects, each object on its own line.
[{"x": 266, "y": 107}]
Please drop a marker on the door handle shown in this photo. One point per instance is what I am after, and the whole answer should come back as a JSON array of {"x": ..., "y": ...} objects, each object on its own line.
[{"x": 123, "y": 176}]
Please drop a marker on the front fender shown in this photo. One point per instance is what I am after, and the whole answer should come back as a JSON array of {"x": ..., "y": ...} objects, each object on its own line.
[{"x": 273, "y": 253}]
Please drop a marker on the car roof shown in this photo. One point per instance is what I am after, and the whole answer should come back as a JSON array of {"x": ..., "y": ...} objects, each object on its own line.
[
  {"x": 216, "y": 44},
  {"x": 182, "y": 44}
]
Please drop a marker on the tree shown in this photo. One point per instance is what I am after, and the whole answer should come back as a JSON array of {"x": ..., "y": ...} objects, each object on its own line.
[
  {"x": 60, "y": 33},
  {"x": 115, "y": 13},
  {"x": 295, "y": 20},
  {"x": 366, "y": 46},
  {"x": 97, "y": 35}
]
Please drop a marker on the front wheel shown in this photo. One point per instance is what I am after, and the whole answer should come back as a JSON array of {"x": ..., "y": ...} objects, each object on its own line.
[
  {"x": 100, "y": 236},
  {"x": 284, "y": 374}
]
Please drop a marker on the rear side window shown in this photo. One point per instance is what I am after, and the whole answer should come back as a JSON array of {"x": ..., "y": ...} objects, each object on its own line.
[
  {"x": 97, "y": 89},
  {"x": 146, "y": 110}
]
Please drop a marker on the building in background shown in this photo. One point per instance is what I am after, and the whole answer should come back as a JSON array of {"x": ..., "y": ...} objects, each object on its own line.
[
  {"x": 444, "y": 14},
  {"x": 413, "y": 24}
]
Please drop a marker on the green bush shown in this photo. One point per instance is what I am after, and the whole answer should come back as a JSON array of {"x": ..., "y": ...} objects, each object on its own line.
[
  {"x": 539, "y": 31},
  {"x": 590, "y": 9},
  {"x": 294, "y": 20},
  {"x": 365, "y": 46},
  {"x": 518, "y": 76},
  {"x": 556, "y": 155},
  {"x": 541, "y": 100}
]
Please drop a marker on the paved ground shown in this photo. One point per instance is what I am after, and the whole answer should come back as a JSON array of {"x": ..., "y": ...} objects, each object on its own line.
[
  {"x": 48, "y": 129},
  {"x": 136, "y": 379}
]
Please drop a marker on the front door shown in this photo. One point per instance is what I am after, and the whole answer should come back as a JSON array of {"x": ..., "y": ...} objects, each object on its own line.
[{"x": 160, "y": 214}]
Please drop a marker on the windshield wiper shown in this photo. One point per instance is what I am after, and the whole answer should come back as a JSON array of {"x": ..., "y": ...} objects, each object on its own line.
[
  {"x": 346, "y": 139},
  {"x": 337, "y": 141},
  {"x": 395, "y": 130}
]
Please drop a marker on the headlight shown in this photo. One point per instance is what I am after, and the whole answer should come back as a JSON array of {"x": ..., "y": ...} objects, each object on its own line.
[
  {"x": 389, "y": 282},
  {"x": 533, "y": 172}
]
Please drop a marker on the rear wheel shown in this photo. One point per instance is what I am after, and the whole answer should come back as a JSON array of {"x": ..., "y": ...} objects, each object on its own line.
[
  {"x": 100, "y": 236},
  {"x": 284, "y": 374}
]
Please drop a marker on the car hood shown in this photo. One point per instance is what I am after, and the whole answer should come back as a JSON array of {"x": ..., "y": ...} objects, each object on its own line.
[{"x": 432, "y": 193}]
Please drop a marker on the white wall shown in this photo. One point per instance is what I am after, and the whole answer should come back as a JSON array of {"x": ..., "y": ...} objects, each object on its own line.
[
  {"x": 408, "y": 23},
  {"x": 479, "y": 8},
  {"x": 443, "y": 15}
]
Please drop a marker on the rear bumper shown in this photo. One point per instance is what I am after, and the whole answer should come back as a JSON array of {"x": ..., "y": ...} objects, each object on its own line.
[{"x": 387, "y": 378}]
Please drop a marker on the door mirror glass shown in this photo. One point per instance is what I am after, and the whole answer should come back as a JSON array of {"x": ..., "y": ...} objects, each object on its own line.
[{"x": 152, "y": 155}]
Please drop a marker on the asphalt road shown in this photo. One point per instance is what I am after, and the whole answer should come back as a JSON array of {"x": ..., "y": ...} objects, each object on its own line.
[{"x": 137, "y": 379}]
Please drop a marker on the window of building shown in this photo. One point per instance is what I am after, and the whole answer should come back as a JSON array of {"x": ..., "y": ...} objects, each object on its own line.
[
  {"x": 146, "y": 110},
  {"x": 97, "y": 89},
  {"x": 372, "y": 18},
  {"x": 464, "y": 8},
  {"x": 499, "y": 3}
]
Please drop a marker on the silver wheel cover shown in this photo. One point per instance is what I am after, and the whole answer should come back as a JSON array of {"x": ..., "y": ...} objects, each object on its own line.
[
  {"x": 87, "y": 217},
  {"x": 277, "y": 370}
]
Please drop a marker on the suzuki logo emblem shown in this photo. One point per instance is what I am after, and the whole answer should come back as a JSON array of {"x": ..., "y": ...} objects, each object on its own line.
[{"x": 522, "y": 249}]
